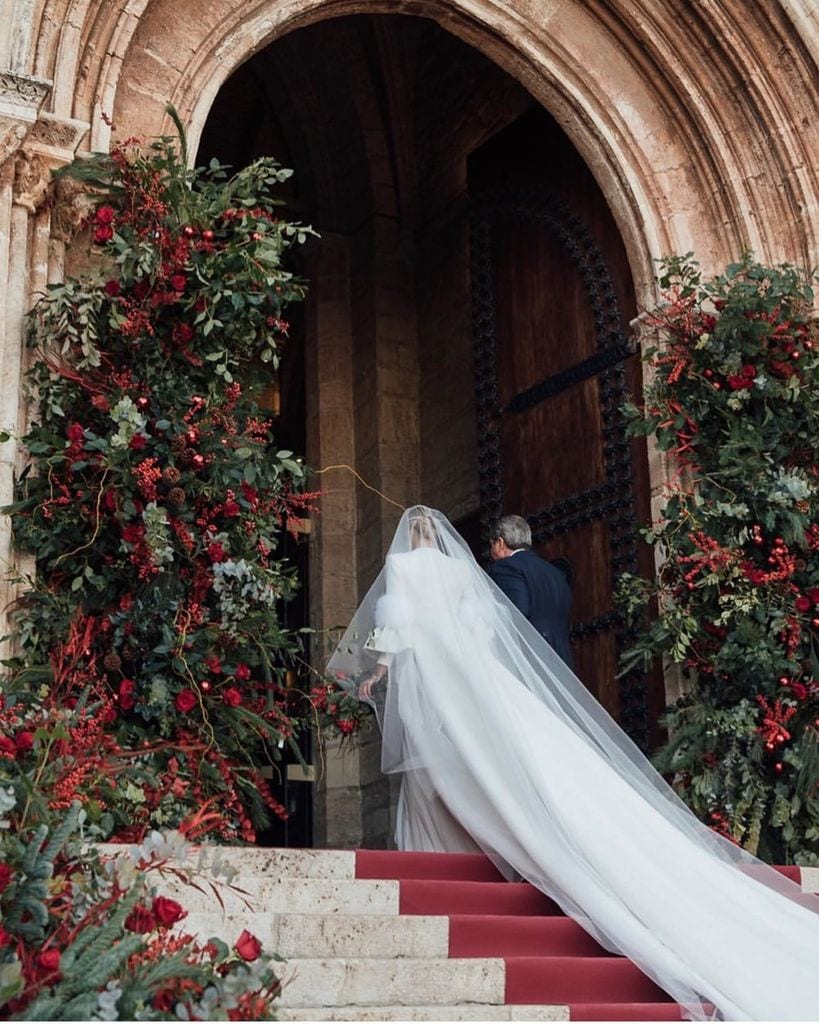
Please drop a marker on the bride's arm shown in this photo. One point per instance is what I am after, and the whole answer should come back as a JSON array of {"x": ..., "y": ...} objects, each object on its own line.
[{"x": 393, "y": 615}]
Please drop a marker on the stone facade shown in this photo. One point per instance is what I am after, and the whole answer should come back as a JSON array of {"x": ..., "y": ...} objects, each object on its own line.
[{"x": 699, "y": 122}]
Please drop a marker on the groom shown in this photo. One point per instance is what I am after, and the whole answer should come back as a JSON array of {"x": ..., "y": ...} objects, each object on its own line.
[{"x": 536, "y": 588}]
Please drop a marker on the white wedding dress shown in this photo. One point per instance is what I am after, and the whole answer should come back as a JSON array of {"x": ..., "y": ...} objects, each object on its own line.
[{"x": 504, "y": 751}]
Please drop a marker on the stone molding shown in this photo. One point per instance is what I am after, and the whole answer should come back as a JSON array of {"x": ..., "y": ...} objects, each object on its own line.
[
  {"x": 49, "y": 143},
  {"x": 21, "y": 97}
]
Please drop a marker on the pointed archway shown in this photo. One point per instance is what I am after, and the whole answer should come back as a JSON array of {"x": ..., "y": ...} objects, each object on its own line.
[
  {"x": 709, "y": 147},
  {"x": 428, "y": 170}
]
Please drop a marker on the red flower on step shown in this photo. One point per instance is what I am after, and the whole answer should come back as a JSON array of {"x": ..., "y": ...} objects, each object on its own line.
[
  {"x": 48, "y": 960},
  {"x": 167, "y": 911},
  {"x": 248, "y": 946},
  {"x": 140, "y": 920}
]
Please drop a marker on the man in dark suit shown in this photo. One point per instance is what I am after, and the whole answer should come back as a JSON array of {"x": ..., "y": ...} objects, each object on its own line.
[{"x": 536, "y": 587}]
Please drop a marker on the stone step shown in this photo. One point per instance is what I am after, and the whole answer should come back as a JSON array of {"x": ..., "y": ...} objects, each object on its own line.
[
  {"x": 466, "y": 1011},
  {"x": 347, "y": 982},
  {"x": 252, "y": 862},
  {"x": 286, "y": 896},
  {"x": 314, "y": 936},
  {"x": 810, "y": 879},
  {"x": 257, "y": 861}
]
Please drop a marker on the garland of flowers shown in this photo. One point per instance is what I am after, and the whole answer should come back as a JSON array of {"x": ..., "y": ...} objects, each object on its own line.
[
  {"x": 733, "y": 399},
  {"x": 153, "y": 504}
]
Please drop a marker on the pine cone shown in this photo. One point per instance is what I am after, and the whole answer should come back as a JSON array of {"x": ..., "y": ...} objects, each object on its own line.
[
  {"x": 171, "y": 475},
  {"x": 186, "y": 456},
  {"x": 179, "y": 444},
  {"x": 112, "y": 661},
  {"x": 176, "y": 496}
]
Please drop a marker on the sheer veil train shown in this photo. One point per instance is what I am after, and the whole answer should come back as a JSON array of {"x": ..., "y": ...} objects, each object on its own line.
[{"x": 504, "y": 750}]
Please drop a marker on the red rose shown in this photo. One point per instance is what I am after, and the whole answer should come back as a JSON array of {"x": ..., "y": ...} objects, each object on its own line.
[
  {"x": 75, "y": 433},
  {"x": 5, "y": 875},
  {"x": 212, "y": 664},
  {"x": 103, "y": 233},
  {"x": 126, "y": 694},
  {"x": 186, "y": 701},
  {"x": 183, "y": 333},
  {"x": 49, "y": 959},
  {"x": 250, "y": 495},
  {"x": 112, "y": 288},
  {"x": 749, "y": 371},
  {"x": 167, "y": 911},
  {"x": 178, "y": 282},
  {"x": 105, "y": 215},
  {"x": 813, "y": 594},
  {"x": 803, "y": 603},
  {"x": 799, "y": 690},
  {"x": 232, "y": 697},
  {"x": 137, "y": 442},
  {"x": 248, "y": 946},
  {"x": 242, "y": 672},
  {"x": 737, "y": 383},
  {"x": 231, "y": 508},
  {"x": 132, "y": 535},
  {"x": 24, "y": 740},
  {"x": 140, "y": 920},
  {"x": 7, "y": 746},
  {"x": 216, "y": 553}
]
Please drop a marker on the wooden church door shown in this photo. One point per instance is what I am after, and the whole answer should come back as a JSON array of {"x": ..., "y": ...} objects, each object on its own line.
[{"x": 552, "y": 298}]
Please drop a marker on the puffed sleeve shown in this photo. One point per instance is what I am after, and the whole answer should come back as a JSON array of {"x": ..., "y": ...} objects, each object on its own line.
[{"x": 393, "y": 615}]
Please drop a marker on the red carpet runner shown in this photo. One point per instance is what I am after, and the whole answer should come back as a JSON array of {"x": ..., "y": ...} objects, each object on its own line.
[{"x": 549, "y": 959}]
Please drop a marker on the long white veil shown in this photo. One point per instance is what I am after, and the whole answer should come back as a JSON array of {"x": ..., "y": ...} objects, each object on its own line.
[{"x": 475, "y": 703}]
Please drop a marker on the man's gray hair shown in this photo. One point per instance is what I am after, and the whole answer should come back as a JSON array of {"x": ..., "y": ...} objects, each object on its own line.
[{"x": 514, "y": 531}]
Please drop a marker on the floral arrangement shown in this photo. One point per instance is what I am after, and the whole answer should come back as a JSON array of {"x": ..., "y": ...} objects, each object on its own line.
[
  {"x": 733, "y": 400},
  {"x": 153, "y": 503},
  {"x": 86, "y": 937}
]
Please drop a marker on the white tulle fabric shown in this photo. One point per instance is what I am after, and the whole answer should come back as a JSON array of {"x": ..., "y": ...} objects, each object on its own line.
[{"x": 505, "y": 751}]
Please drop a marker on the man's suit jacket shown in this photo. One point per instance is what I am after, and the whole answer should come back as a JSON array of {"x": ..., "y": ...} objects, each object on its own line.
[{"x": 541, "y": 592}]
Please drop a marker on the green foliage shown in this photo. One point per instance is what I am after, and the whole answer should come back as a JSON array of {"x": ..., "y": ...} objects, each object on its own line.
[
  {"x": 153, "y": 502},
  {"x": 86, "y": 938},
  {"x": 733, "y": 399}
]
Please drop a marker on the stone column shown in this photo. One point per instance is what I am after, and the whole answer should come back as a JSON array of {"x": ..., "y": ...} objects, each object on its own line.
[
  {"x": 332, "y": 580},
  {"x": 31, "y": 146}
]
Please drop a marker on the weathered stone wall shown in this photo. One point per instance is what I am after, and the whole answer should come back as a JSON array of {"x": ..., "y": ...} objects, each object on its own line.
[{"x": 699, "y": 122}]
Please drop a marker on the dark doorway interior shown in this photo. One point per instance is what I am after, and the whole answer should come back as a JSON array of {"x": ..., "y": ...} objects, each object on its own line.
[{"x": 404, "y": 139}]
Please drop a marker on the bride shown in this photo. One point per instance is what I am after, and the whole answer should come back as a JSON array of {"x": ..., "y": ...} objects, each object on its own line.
[{"x": 503, "y": 750}]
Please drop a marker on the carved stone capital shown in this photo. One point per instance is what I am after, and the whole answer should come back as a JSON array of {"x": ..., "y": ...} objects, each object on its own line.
[
  {"x": 32, "y": 179},
  {"x": 56, "y": 138},
  {"x": 21, "y": 97},
  {"x": 73, "y": 202}
]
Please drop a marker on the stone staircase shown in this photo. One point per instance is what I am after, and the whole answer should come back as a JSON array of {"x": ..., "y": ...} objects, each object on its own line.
[{"x": 381, "y": 935}]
